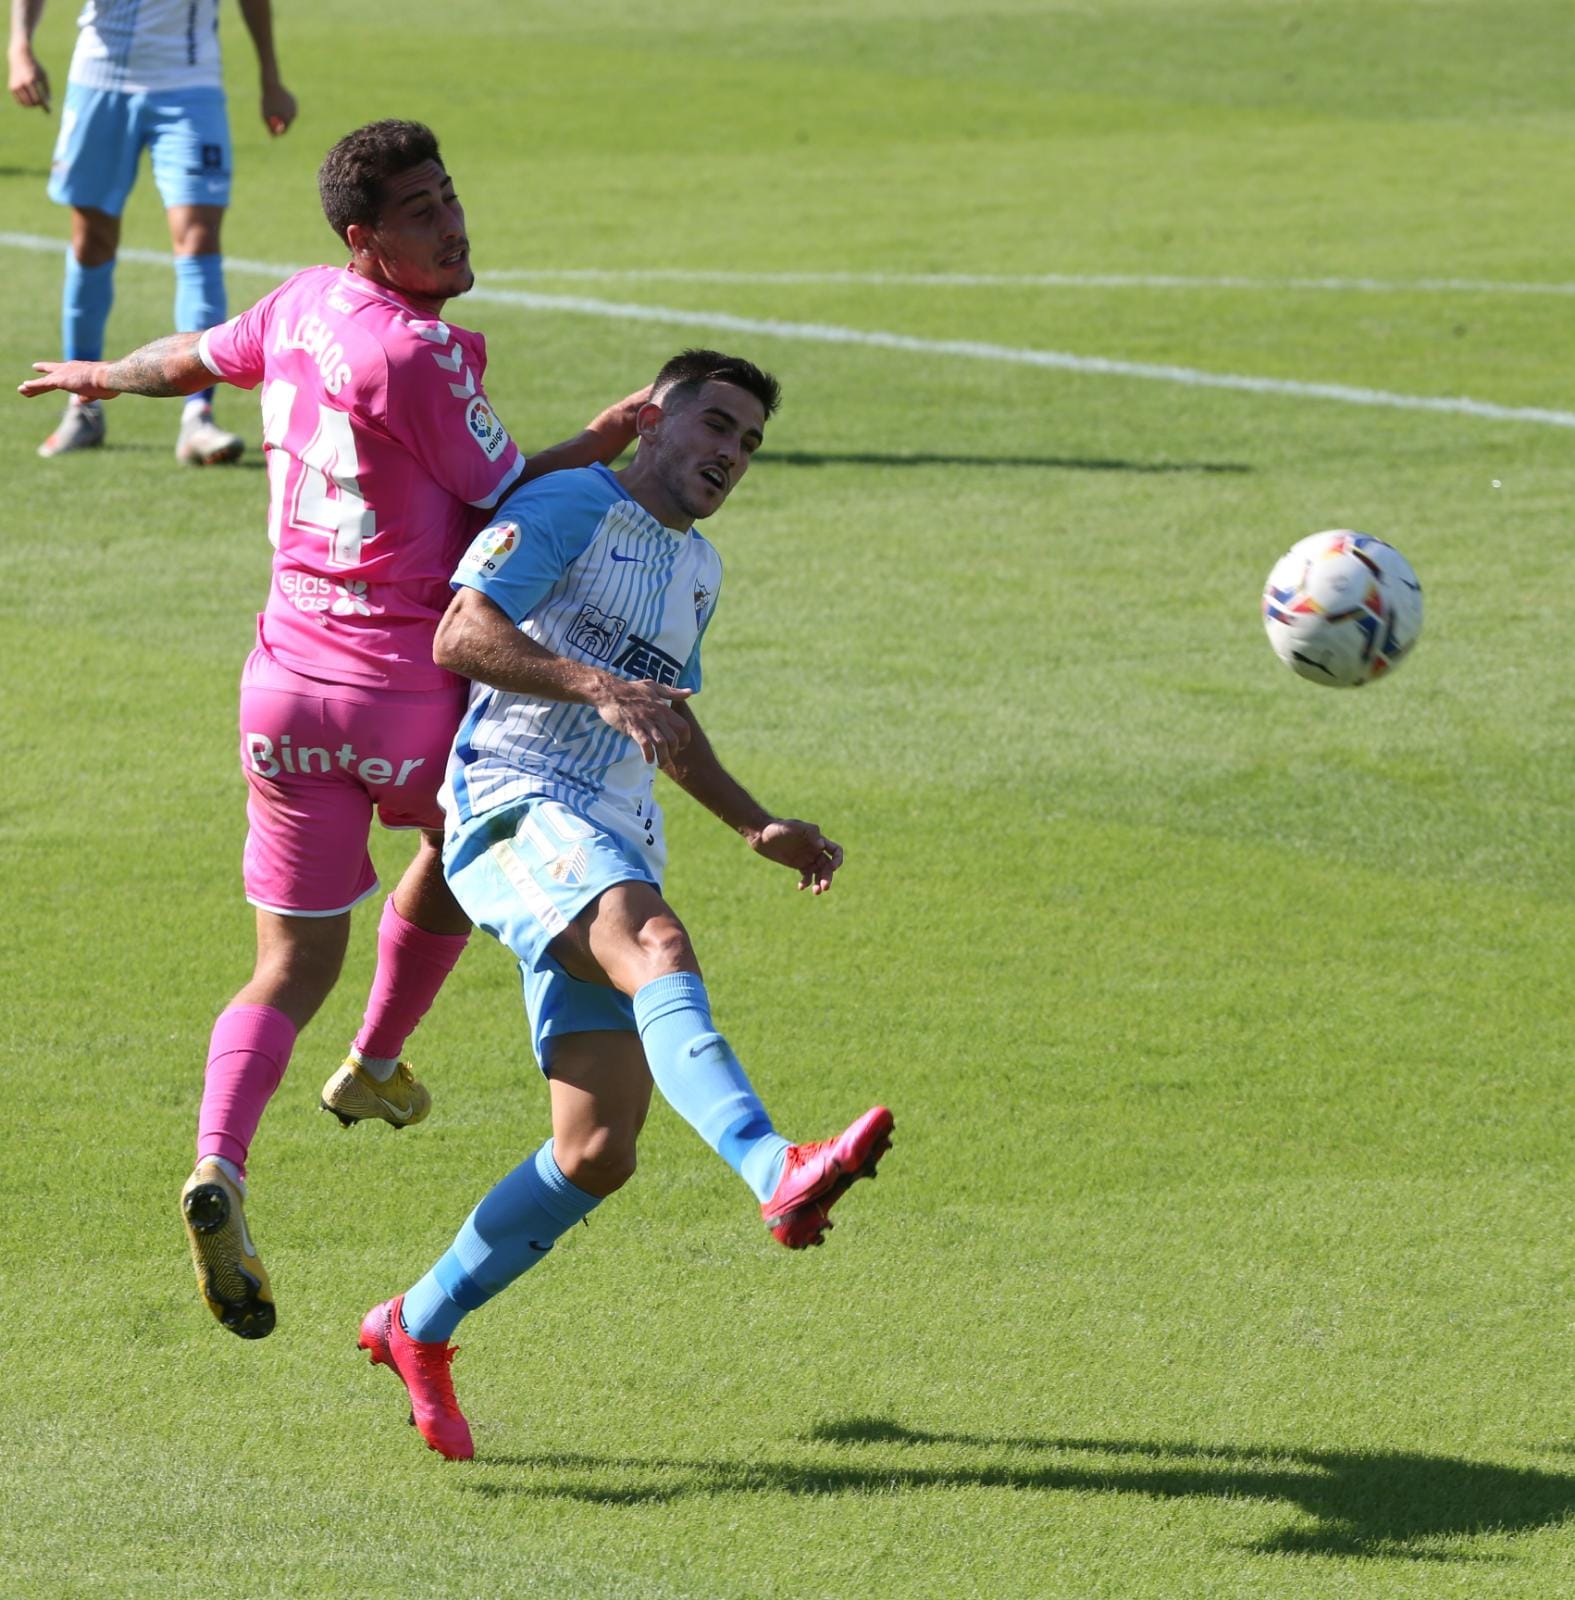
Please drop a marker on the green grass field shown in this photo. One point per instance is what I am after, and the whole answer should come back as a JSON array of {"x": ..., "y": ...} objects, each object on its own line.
[{"x": 1225, "y": 1249}]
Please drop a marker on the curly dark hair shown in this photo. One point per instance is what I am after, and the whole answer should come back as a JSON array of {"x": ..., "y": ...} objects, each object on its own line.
[{"x": 354, "y": 173}]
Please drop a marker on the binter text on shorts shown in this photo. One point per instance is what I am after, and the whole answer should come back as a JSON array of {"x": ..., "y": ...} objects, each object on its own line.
[{"x": 268, "y": 760}]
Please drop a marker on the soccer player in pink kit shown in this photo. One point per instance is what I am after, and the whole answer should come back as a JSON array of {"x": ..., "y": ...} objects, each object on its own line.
[{"x": 383, "y": 457}]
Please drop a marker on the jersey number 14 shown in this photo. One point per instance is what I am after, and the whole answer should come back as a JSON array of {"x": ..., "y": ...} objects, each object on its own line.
[{"x": 317, "y": 489}]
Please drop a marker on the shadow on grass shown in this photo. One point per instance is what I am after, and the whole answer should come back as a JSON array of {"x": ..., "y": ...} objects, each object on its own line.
[
  {"x": 1382, "y": 1504},
  {"x": 252, "y": 461},
  {"x": 925, "y": 458}
]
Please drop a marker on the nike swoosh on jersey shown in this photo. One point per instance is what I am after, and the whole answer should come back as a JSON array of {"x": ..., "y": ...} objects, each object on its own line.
[{"x": 616, "y": 557}]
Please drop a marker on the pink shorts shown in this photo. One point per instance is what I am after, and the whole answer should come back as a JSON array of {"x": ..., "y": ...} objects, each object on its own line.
[{"x": 319, "y": 758}]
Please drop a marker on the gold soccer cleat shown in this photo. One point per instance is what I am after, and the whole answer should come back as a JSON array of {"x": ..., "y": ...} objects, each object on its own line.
[
  {"x": 229, "y": 1275},
  {"x": 353, "y": 1095}
]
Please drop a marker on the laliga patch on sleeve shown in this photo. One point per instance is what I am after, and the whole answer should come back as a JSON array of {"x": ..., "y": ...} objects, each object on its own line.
[
  {"x": 485, "y": 428},
  {"x": 492, "y": 547}
]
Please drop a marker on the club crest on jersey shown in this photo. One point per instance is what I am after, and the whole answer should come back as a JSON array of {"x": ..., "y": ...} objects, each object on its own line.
[
  {"x": 596, "y": 632},
  {"x": 492, "y": 547},
  {"x": 485, "y": 428},
  {"x": 702, "y": 599}
]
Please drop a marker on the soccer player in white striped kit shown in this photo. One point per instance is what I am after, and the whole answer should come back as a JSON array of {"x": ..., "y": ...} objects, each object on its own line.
[
  {"x": 579, "y": 614},
  {"x": 145, "y": 75}
]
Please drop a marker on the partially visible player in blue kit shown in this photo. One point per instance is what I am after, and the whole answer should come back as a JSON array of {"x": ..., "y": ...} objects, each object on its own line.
[
  {"x": 579, "y": 614},
  {"x": 145, "y": 74}
]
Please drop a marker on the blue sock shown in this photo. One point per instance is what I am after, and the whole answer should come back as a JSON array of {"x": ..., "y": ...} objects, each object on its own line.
[
  {"x": 199, "y": 293},
  {"x": 702, "y": 1081},
  {"x": 199, "y": 301},
  {"x": 505, "y": 1236},
  {"x": 84, "y": 309}
]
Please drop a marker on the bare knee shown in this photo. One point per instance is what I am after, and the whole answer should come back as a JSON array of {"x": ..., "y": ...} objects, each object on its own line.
[
  {"x": 194, "y": 230},
  {"x": 664, "y": 947},
  {"x": 95, "y": 237},
  {"x": 599, "y": 1160}
]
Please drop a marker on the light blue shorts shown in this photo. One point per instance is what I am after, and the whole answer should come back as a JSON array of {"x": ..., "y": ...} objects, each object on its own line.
[
  {"x": 104, "y": 132},
  {"x": 524, "y": 872}
]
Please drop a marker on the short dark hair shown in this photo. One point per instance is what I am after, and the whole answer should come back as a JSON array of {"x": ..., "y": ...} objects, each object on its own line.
[
  {"x": 690, "y": 370},
  {"x": 353, "y": 177}
]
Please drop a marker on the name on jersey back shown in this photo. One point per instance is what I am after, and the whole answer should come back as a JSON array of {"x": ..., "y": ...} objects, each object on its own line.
[{"x": 315, "y": 337}]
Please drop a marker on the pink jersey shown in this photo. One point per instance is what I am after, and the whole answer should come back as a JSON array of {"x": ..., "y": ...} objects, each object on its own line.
[{"x": 381, "y": 449}]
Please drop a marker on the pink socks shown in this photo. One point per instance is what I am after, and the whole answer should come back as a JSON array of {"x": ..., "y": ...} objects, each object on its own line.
[
  {"x": 247, "y": 1054},
  {"x": 250, "y": 1046},
  {"x": 411, "y": 967}
]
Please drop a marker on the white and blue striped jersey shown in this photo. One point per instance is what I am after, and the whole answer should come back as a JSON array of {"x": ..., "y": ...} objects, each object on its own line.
[
  {"x": 587, "y": 573},
  {"x": 139, "y": 45}
]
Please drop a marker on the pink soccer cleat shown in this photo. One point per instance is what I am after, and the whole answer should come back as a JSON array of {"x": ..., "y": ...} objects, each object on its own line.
[
  {"x": 423, "y": 1369},
  {"x": 818, "y": 1175}
]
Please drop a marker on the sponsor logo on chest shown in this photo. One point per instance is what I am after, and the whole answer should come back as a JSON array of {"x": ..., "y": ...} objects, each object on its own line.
[
  {"x": 641, "y": 659},
  {"x": 598, "y": 633}
]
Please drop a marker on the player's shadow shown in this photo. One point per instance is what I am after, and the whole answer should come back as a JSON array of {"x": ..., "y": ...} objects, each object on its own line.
[
  {"x": 928, "y": 458},
  {"x": 1369, "y": 1504},
  {"x": 252, "y": 461}
]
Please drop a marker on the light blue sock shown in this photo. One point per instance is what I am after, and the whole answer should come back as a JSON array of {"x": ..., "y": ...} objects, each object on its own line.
[
  {"x": 504, "y": 1237},
  {"x": 199, "y": 300},
  {"x": 84, "y": 309},
  {"x": 701, "y": 1079}
]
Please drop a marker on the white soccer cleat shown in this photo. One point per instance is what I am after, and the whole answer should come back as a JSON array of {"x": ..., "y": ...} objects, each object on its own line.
[
  {"x": 203, "y": 443},
  {"x": 82, "y": 428}
]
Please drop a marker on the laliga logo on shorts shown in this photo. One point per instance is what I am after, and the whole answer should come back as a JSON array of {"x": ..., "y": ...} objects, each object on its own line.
[{"x": 485, "y": 428}]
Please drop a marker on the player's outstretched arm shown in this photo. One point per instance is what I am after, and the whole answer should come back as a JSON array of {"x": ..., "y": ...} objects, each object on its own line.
[
  {"x": 168, "y": 366},
  {"x": 799, "y": 845},
  {"x": 604, "y": 438},
  {"x": 29, "y": 81},
  {"x": 277, "y": 104},
  {"x": 477, "y": 640}
]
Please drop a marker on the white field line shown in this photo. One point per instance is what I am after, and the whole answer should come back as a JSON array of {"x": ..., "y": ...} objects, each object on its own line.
[
  {"x": 831, "y": 333},
  {"x": 1027, "y": 280}
]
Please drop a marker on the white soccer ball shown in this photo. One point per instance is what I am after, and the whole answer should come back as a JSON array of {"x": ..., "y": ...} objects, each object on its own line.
[{"x": 1342, "y": 608}]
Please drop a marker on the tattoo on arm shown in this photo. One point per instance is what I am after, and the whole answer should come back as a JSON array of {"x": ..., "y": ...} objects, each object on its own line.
[{"x": 168, "y": 366}]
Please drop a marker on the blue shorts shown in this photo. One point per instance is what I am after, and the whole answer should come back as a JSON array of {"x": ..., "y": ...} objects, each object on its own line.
[
  {"x": 104, "y": 132},
  {"x": 524, "y": 872}
]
